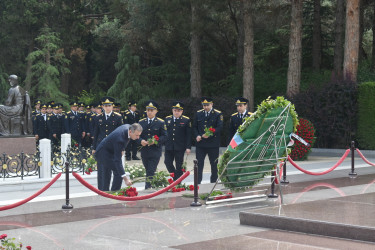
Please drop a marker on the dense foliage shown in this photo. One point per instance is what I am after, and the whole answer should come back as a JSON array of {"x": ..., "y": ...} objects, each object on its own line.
[{"x": 366, "y": 115}]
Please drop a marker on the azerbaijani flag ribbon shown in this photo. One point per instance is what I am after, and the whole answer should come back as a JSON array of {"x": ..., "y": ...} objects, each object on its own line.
[{"x": 236, "y": 140}]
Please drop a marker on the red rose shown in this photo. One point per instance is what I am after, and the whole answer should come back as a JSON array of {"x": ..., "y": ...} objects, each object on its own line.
[
  {"x": 191, "y": 187},
  {"x": 90, "y": 169},
  {"x": 156, "y": 137},
  {"x": 3, "y": 236},
  {"x": 171, "y": 174},
  {"x": 183, "y": 170},
  {"x": 88, "y": 173},
  {"x": 173, "y": 189},
  {"x": 170, "y": 181},
  {"x": 28, "y": 247},
  {"x": 212, "y": 130}
]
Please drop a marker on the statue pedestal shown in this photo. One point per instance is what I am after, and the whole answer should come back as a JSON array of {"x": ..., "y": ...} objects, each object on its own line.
[{"x": 12, "y": 145}]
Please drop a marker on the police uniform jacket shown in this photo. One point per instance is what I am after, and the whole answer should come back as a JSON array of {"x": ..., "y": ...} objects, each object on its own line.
[
  {"x": 214, "y": 120},
  {"x": 74, "y": 124},
  {"x": 129, "y": 118},
  {"x": 235, "y": 122},
  {"x": 41, "y": 126},
  {"x": 109, "y": 149},
  {"x": 56, "y": 124},
  {"x": 156, "y": 127},
  {"x": 179, "y": 133},
  {"x": 104, "y": 127}
]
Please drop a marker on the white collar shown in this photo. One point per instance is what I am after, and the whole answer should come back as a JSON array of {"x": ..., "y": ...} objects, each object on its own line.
[{"x": 108, "y": 114}]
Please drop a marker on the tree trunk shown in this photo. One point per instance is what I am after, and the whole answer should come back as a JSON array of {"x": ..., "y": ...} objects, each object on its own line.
[
  {"x": 373, "y": 38},
  {"x": 195, "y": 54},
  {"x": 361, "y": 51},
  {"x": 248, "y": 59},
  {"x": 351, "y": 40},
  {"x": 65, "y": 77},
  {"x": 295, "y": 49},
  {"x": 28, "y": 78},
  {"x": 240, "y": 41},
  {"x": 338, "y": 57},
  {"x": 317, "y": 39}
]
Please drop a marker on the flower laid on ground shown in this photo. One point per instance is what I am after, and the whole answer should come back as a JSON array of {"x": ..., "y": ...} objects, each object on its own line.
[
  {"x": 306, "y": 131},
  {"x": 128, "y": 192},
  {"x": 182, "y": 187},
  {"x": 209, "y": 131},
  {"x": 216, "y": 195},
  {"x": 9, "y": 243},
  {"x": 136, "y": 171},
  {"x": 225, "y": 196},
  {"x": 154, "y": 139}
]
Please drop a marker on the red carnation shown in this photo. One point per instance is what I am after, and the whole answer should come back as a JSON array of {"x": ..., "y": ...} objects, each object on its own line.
[
  {"x": 3, "y": 236},
  {"x": 170, "y": 181},
  {"x": 90, "y": 169},
  {"x": 76, "y": 146},
  {"x": 171, "y": 174},
  {"x": 87, "y": 172},
  {"x": 191, "y": 187},
  {"x": 183, "y": 170},
  {"x": 156, "y": 137},
  {"x": 212, "y": 130},
  {"x": 28, "y": 247}
]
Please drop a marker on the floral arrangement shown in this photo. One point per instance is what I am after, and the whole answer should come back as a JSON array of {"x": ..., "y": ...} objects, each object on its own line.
[
  {"x": 9, "y": 243},
  {"x": 136, "y": 171},
  {"x": 306, "y": 131},
  {"x": 154, "y": 140},
  {"x": 181, "y": 186},
  {"x": 128, "y": 192},
  {"x": 209, "y": 131},
  {"x": 90, "y": 165}
]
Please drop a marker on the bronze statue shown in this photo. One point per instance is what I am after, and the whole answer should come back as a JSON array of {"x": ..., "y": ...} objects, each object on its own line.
[{"x": 15, "y": 115}]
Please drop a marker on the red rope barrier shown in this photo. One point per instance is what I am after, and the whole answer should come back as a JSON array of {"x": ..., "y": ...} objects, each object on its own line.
[
  {"x": 321, "y": 173},
  {"x": 364, "y": 158},
  {"x": 31, "y": 197},
  {"x": 123, "y": 198}
]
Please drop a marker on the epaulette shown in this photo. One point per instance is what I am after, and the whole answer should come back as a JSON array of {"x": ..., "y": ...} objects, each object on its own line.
[
  {"x": 200, "y": 110},
  {"x": 38, "y": 114},
  {"x": 118, "y": 114},
  {"x": 250, "y": 113},
  {"x": 169, "y": 116},
  {"x": 217, "y": 110},
  {"x": 185, "y": 117},
  {"x": 126, "y": 112},
  {"x": 143, "y": 119},
  {"x": 234, "y": 114},
  {"x": 69, "y": 112},
  {"x": 160, "y": 119}
]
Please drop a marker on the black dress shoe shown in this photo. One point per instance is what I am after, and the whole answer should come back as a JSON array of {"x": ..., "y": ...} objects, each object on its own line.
[
  {"x": 128, "y": 158},
  {"x": 136, "y": 158}
]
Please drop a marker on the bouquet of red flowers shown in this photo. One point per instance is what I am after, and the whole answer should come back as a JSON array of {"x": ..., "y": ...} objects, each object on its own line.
[
  {"x": 128, "y": 192},
  {"x": 154, "y": 139},
  {"x": 209, "y": 131}
]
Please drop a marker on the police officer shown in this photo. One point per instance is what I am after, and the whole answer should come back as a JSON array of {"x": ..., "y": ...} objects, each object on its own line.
[
  {"x": 106, "y": 122},
  {"x": 50, "y": 107},
  {"x": 87, "y": 141},
  {"x": 236, "y": 119},
  {"x": 117, "y": 107},
  {"x": 131, "y": 116},
  {"x": 179, "y": 139},
  {"x": 151, "y": 151},
  {"x": 74, "y": 123},
  {"x": 41, "y": 123},
  {"x": 36, "y": 111},
  {"x": 207, "y": 118},
  {"x": 55, "y": 125}
]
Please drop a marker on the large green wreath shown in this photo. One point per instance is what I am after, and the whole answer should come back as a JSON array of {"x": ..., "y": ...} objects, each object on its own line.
[{"x": 250, "y": 170}]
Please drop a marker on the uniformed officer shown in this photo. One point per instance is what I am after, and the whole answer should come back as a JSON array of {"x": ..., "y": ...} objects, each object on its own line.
[
  {"x": 179, "y": 139},
  {"x": 50, "y": 107},
  {"x": 87, "y": 141},
  {"x": 131, "y": 116},
  {"x": 106, "y": 122},
  {"x": 117, "y": 107},
  {"x": 36, "y": 110},
  {"x": 41, "y": 123},
  {"x": 207, "y": 145},
  {"x": 55, "y": 125},
  {"x": 150, "y": 151},
  {"x": 236, "y": 119},
  {"x": 74, "y": 123}
]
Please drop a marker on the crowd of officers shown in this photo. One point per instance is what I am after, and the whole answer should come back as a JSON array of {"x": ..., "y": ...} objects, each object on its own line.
[{"x": 89, "y": 125}]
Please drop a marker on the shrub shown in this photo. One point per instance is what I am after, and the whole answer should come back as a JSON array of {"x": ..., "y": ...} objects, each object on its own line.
[{"x": 366, "y": 115}]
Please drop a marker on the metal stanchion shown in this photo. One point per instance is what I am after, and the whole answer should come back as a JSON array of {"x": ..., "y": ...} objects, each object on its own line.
[
  {"x": 67, "y": 204},
  {"x": 272, "y": 194},
  {"x": 352, "y": 174},
  {"x": 196, "y": 203},
  {"x": 284, "y": 180}
]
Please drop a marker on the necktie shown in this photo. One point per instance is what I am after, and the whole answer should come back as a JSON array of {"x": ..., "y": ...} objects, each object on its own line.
[
  {"x": 240, "y": 116},
  {"x": 206, "y": 114},
  {"x": 107, "y": 117},
  {"x": 44, "y": 116},
  {"x": 149, "y": 121}
]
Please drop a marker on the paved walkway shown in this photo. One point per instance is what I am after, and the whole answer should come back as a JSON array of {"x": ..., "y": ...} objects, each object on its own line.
[{"x": 168, "y": 221}]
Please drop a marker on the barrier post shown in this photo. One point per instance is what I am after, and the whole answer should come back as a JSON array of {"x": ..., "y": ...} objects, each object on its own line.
[
  {"x": 352, "y": 174},
  {"x": 67, "y": 204},
  {"x": 272, "y": 194},
  {"x": 284, "y": 180},
  {"x": 196, "y": 203}
]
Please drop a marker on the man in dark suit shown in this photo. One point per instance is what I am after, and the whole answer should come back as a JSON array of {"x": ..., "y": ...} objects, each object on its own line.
[
  {"x": 207, "y": 145},
  {"x": 55, "y": 125},
  {"x": 106, "y": 122},
  {"x": 108, "y": 155},
  {"x": 237, "y": 118},
  {"x": 179, "y": 139},
  {"x": 151, "y": 151},
  {"x": 41, "y": 124},
  {"x": 131, "y": 116},
  {"x": 74, "y": 123}
]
